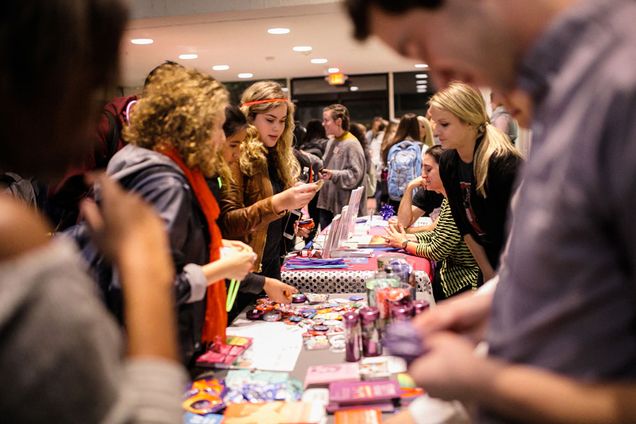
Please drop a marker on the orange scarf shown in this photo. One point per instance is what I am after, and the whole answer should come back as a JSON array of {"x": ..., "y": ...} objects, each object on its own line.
[{"x": 215, "y": 315}]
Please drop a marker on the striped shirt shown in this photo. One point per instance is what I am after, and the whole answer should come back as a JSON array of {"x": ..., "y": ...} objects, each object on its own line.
[{"x": 444, "y": 244}]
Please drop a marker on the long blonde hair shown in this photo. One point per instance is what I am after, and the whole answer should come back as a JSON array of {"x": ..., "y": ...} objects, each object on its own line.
[
  {"x": 178, "y": 109},
  {"x": 468, "y": 105},
  {"x": 253, "y": 152},
  {"x": 427, "y": 135}
]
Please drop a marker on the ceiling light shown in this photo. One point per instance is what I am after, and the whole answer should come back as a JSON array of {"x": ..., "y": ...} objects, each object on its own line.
[
  {"x": 421, "y": 82},
  {"x": 142, "y": 41},
  {"x": 188, "y": 56},
  {"x": 245, "y": 75},
  {"x": 421, "y": 65},
  {"x": 333, "y": 70},
  {"x": 278, "y": 31},
  {"x": 354, "y": 88},
  {"x": 319, "y": 61},
  {"x": 302, "y": 49},
  {"x": 420, "y": 76},
  {"x": 285, "y": 89},
  {"x": 220, "y": 67}
]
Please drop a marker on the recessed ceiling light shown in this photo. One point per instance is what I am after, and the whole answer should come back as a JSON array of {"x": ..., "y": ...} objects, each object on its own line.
[
  {"x": 333, "y": 70},
  {"x": 420, "y": 76},
  {"x": 188, "y": 56},
  {"x": 220, "y": 67},
  {"x": 302, "y": 49},
  {"x": 278, "y": 31},
  {"x": 354, "y": 88},
  {"x": 142, "y": 41},
  {"x": 421, "y": 65},
  {"x": 319, "y": 61},
  {"x": 421, "y": 82},
  {"x": 245, "y": 75}
]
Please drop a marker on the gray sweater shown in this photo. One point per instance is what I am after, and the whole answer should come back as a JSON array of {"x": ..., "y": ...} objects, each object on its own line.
[
  {"x": 346, "y": 160},
  {"x": 61, "y": 353}
]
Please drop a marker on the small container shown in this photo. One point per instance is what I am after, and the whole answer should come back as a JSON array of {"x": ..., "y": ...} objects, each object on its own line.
[
  {"x": 352, "y": 336},
  {"x": 254, "y": 314},
  {"x": 420, "y": 306},
  {"x": 401, "y": 311},
  {"x": 272, "y": 316},
  {"x": 371, "y": 343},
  {"x": 299, "y": 298}
]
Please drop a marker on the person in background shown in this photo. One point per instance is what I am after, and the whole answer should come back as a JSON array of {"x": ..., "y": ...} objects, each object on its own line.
[
  {"x": 257, "y": 202},
  {"x": 60, "y": 346},
  {"x": 479, "y": 170},
  {"x": 457, "y": 271},
  {"x": 377, "y": 124},
  {"x": 315, "y": 139},
  {"x": 235, "y": 129},
  {"x": 370, "y": 182},
  {"x": 345, "y": 165},
  {"x": 403, "y": 158},
  {"x": 382, "y": 193},
  {"x": 426, "y": 133},
  {"x": 560, "y": 323},
  {"x": 375, "y": 145},
  {"x": 501, "y": 118}
]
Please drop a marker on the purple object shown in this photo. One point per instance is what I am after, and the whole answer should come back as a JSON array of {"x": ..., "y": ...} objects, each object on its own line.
[
  {"x": 356, "y": 298},
  {"x": 254, "y": 314},
  {"x": 401, "y": 311},
  {"x": 352, "y": 336},
  {"x": 371, "y": 345},
  {"x": 402, "y": 339},
  {"x": 272, "y": 316},
  {"x": 299, "y": 298},
  {"x": 420, "y": 306}
]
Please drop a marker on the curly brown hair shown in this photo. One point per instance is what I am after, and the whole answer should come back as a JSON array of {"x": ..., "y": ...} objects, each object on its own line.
[{"x": 184, "y": 109}]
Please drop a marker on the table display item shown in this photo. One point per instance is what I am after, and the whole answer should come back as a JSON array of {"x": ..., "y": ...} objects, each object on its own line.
[
  {"x": 401, "y": 311},
  {"x": 352, "y": 336},
  {"x": 358, "y": 416},
  {"x": 363, "y": 392},
  {"x": 375, "y": 368},
  {"x": 299, "y": 298},
  {"x": 401, "y": 339},
  {"x": 204, "y": 396},
  {"x": 323, "y": 375},
  {"x": 272, "y": 316},
  {"x": 275, "y": 412},
  {"x": 420, "y": 306},
  {"x": 254, "y": 314},
  {"x": 223, "y": 355},
  {"x": 381, "y": 280},
  {"x": 369, "y": 325}
]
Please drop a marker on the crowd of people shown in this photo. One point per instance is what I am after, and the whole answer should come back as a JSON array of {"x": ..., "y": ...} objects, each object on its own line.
[{"x": 194, "y": 193}]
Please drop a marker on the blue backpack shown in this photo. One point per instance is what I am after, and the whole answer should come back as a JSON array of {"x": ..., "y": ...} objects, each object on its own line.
[{"x": 405, "y": 164}]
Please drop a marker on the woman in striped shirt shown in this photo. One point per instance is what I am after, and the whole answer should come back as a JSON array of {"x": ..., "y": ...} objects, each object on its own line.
[{"x": 458, "y": 270}]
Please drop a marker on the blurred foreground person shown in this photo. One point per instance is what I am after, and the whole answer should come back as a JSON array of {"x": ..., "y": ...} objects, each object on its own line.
[{"x": 60, "y": 348}]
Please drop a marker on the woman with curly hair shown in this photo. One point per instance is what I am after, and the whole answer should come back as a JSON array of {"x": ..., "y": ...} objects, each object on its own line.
[
  {"x": 173, "y": 135},
  {"x": 264, "y": 188}
]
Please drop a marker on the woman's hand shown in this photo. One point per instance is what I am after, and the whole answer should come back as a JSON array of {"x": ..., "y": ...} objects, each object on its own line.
[
  {"x": 278, "y": 291},
  {"x": 395, "y": 235},
  {"x": 237, "y": 245},
  {"x": 236, "y": 264},
  {"x": 295, "y": 197},
  {"x": 417, "y": 182},
  {"x": 326, "y": 174}
]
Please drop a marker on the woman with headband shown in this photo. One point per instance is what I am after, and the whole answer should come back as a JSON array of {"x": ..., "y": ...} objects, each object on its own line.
[
  {"x": 264, "y": 187},
  {"x": 478, "y": 170}
]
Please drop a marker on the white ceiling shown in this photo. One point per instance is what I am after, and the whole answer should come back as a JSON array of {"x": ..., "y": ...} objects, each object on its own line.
[{"x": 239, "y": 38}]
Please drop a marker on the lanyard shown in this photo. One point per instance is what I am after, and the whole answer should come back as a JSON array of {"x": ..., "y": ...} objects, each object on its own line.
[{"x": 231, "y": 294}]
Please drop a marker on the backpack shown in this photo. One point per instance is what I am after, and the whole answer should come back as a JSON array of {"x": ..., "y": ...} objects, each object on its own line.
[{"x": 404, "y": 164}]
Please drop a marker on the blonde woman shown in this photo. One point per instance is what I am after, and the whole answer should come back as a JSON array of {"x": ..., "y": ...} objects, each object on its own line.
[
  {"x": 255, "y": 206},
  {"x": 173, "y": 135},
  {"x": 478, "y": 169},
  {"x": 426, "y": 133}
]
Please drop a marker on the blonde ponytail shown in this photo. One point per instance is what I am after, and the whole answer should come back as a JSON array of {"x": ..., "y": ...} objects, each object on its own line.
[{"x": 495, "y": 143}]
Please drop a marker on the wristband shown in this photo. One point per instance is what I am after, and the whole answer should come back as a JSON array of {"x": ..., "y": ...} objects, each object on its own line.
[{"x": 404, "y": 244}]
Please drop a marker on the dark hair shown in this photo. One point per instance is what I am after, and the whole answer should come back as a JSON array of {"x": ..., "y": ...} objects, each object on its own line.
[
  {"x": 299, "y": 134},
  {"x": 56, "y": 54},
  {"x": 359, "y": 11},
  {"x": 409, "y": 127},
  {"x": 358, "y": 130},
  {"x": 339, "y": 111},
  {"x": 166, "y": 64},
  {"x": 235, "y": 120},
  {"x": 435, "y": 152},
  {"x": 315, "y": 131}
]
